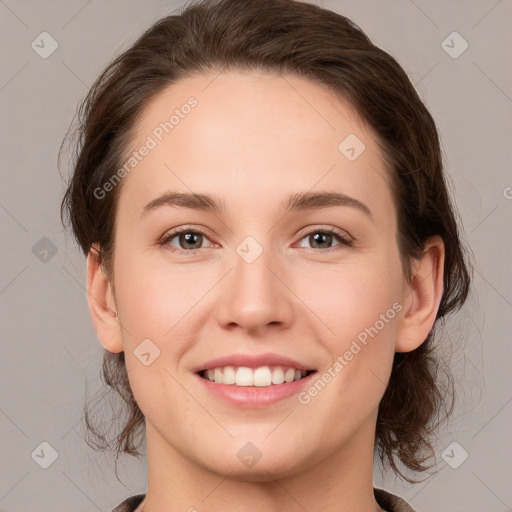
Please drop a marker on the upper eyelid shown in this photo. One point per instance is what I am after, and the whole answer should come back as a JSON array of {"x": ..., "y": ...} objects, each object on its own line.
[
  {"x": 327, "y": 228},
  {"x": 306, "y": 229}
]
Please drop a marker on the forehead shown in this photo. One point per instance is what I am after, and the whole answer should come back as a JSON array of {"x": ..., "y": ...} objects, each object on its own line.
[{"x": 251, "y": 137}]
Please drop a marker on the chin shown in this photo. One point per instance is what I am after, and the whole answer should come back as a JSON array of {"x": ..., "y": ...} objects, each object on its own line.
[{"x": 263, "y": 470}]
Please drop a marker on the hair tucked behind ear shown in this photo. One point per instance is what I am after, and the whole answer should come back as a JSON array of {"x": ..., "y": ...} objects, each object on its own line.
[{"x": 283, "y": 36}]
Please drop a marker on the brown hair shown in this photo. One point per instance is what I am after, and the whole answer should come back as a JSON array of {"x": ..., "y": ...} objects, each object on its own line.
[{"x": 283, "y": 36}]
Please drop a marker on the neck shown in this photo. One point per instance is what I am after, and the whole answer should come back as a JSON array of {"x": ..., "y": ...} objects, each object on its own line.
[{"x": 340, "y": 482}]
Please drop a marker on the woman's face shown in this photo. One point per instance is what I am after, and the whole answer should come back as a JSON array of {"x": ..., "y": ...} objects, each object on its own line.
[{"x": 261, "y": 279}]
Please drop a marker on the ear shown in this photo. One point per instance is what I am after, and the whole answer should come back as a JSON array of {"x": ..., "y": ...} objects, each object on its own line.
[
  {"x": 422, "y": 297},
  {"x": 102, "y": 306}
]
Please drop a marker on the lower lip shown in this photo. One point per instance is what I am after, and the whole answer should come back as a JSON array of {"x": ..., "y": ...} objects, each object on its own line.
[{"x": 255, "y": 396}]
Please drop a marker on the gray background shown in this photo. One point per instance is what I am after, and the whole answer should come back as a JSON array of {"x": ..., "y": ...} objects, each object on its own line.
[{"x": 50, "y": 356}]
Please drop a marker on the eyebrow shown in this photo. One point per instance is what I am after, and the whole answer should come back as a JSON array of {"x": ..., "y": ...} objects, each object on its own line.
[{"x": 302, "y": 201}]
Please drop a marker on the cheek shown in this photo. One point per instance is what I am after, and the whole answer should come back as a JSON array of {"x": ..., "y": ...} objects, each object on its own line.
[
  {"x": 359, "y": 309},
  {"x": 351, "y": 298},
  {"x": 154, "y": 297}
]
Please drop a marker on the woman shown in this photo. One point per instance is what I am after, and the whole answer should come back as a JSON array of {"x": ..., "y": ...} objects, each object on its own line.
[{"x": 270, "y": 242}]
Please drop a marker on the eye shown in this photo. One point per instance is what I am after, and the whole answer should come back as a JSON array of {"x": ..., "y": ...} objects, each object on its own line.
[
  {"x": 188, "y": 240},
  {"x": 325, "y": 237}
]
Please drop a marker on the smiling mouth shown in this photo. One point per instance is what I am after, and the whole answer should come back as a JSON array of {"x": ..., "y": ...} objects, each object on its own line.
[{"x": 264, "y": 376}]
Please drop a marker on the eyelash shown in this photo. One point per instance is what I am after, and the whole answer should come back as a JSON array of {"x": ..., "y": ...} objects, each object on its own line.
[{"x": 342, "y": 238}]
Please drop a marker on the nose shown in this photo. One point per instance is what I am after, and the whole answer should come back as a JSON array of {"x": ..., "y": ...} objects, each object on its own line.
[{"x": 256, "y": 295}]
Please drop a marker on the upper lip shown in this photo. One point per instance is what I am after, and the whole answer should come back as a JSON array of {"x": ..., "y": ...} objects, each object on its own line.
[{"x": 252, "y": 361}]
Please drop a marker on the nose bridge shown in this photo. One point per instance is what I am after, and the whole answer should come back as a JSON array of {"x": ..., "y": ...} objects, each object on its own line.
[
  {"x": 251, "y": 264},
  {"x": 252, "y": 277},
  {"x": 253, "y": 296}
]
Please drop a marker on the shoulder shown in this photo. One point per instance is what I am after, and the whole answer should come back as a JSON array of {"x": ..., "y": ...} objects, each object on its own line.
[
  {"x": 130, "y": 504},
  {"x": 390, "y": 502}
]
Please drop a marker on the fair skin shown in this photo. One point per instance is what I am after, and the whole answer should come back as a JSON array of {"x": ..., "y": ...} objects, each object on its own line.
[{"x": 253, "y": 140}]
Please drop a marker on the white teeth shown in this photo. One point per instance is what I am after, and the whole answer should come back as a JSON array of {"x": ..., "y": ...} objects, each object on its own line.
[
  {"x": 261, "y": 377},
  {"x": 243, "y": 377},
  {"x": 229, "y": 375},
  {"x": 289, "y": 375},
  {"x": 278, "y": 376}
]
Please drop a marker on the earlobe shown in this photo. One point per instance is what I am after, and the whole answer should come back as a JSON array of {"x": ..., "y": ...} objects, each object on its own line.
[
  {"x": 422, "y": 297},
  {"x": 101, "y": 302}
]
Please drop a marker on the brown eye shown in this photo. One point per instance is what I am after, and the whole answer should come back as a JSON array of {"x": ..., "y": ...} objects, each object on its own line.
[
  {"x": 323, "y": 239},
  {"x": 187, "y": 240},
  {"x": 190, "y": 240}
]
